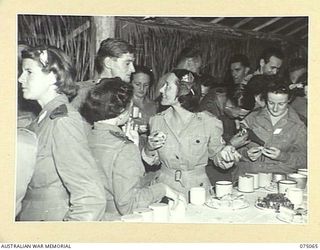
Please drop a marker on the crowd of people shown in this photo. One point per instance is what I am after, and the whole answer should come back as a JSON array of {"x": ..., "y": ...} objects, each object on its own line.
[{"x": 99, "y": 149}]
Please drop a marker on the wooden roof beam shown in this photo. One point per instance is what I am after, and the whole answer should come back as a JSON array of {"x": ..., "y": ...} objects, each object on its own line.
[
  {"x": 296, "y": 30},
  {"x": 273, "y": 20},
  {"x": 286, "y": 25},
  {"x": 216, "y": 20},
  {"x": 242, "y": 22}
]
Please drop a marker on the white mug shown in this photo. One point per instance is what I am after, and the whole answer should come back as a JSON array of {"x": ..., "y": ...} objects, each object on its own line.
[
  {"x": 160, "y": 212},
  {"x": 284, "y": 185},
  {"x": 264, "y": 179},
  {"x": 278, "y": 177},
  {"x": 197, "y": 195},
  {"x": 135, "y": 112},
  {"x": 295, "y": 195},
  {"x": 255, "y": 179},
  {"x": 246, "y": 183},
  {"x": 223, "y": 188},
  {"x": 299, "y": 178}
]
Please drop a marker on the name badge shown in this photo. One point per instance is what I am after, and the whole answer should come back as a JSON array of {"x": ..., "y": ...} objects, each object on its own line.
[{"x": 277, "y": 131}]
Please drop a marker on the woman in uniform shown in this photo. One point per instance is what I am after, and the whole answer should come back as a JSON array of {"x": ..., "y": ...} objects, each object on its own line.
[
  {"x": 65, "y": 184},
  {"x": 107, "y": 108},
  {"x": 182, "y": 139}
]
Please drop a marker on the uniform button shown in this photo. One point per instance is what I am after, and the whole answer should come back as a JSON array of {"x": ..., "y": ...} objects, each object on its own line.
[
  {"x": 177, "y": 157},
  {"x": 197, "y": 141}
]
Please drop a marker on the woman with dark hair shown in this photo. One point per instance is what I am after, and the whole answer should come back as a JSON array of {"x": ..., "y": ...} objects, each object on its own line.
[
  {"x": 183, "y": 139},
  {"x": 107, "y": 108},
  {"x": 65, "y": 184},
  {"x": 283, "y": 135},
  {"x": 143, "y": 108}
]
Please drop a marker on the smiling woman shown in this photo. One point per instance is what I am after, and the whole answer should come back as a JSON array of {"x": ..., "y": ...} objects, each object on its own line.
[
  {"x": 182, "y": 139},
  {"x": 65, "y": 184}
]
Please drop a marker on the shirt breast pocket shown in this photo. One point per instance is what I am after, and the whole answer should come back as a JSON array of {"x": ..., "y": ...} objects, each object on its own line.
[{"x": 198, "y": 144}]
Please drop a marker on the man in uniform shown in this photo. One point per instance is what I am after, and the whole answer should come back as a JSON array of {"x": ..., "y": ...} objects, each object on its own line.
[{"x": 114, "y": 58}]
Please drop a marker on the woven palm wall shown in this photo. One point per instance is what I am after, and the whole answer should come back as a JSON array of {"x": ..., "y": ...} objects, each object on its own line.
[
  {"x": 72, "y": 34},
  {"x": 159, "y": 44}
]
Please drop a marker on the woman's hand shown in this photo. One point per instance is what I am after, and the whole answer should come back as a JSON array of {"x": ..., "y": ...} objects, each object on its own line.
[
  {"x": 254, "y": 153},
  {"x": 228, "y": 155},
  {"x": 156, "y": 140},
  {"x": 272, "y": 152}
]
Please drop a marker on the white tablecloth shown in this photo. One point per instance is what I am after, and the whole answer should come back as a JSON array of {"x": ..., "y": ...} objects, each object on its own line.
[{"x": 249, "y": 215}]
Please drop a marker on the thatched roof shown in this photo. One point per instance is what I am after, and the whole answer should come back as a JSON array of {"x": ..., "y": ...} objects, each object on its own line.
[{"x": 285, "y": 29}]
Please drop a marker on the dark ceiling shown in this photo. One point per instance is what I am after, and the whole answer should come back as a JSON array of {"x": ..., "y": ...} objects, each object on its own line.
[{"x": 292, "y": 28}]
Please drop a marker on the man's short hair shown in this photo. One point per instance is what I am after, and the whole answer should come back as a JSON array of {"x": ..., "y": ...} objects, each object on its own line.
[
  {"x": 111, "y": 47},
  {"x": 243, "y": 59},
  {"x": 269, "y": 52},
  {"x": 188, "y": 52}
]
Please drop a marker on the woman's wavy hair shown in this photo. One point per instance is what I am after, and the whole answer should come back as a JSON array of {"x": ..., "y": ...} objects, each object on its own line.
[
  {"x": 189, "y": 92},
  {"x": 106, "y": 100},
  {"x": 52, "y": 59}
]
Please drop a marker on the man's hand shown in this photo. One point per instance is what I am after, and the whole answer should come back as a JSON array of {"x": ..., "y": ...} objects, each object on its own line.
[{"x": 240, "y": 139}]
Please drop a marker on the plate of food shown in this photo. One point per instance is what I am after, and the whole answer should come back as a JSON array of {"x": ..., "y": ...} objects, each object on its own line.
[
  {"x": 273, "y": 202},
  {"x": 228, "y": 202},
  {"x": 297, "y": 216},
  {"x": 273, "y": 187}
]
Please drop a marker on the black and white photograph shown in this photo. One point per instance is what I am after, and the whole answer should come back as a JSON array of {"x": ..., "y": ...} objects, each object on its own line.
[{"x": 162, "y": 119}]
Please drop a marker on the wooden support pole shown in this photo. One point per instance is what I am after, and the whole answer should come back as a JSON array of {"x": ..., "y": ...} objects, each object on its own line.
[{"x": 104, "y": 28}]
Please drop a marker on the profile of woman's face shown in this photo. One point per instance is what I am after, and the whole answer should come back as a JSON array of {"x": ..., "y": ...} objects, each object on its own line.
[
  {"x": 35, "y": 82},
  {"x": 169, "y": 90}
]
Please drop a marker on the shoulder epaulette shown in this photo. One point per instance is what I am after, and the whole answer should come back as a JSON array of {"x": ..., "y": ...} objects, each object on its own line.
[
  {"x": 121, "y": 136},
  {"x": 162, "y": 112},
  {"x": 60, "y": 111}
]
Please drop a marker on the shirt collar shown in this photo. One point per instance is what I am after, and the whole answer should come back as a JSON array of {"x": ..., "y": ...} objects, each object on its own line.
[
  {"x": 54, "y": 103},
  {"x": 106, "y": 126},
  {"x": 290, "y": 115}
]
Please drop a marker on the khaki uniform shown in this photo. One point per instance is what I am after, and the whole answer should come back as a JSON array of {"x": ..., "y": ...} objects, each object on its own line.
[
  {"x": 289, "y": 135},
  {"x": 65, "y": 184},
  {"x": 27, "y": 144},
  {"x": 184, "y": 156},
  {"x": 121, "y": 168}
]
